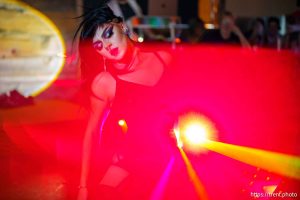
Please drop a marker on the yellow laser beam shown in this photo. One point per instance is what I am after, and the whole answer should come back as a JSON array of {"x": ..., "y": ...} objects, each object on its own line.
[
  {"x": 279, "y": 163},
  {"x": 194, "y": 177}
]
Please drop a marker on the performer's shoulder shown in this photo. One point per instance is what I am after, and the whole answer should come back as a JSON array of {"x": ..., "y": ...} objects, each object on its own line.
[{"x": 104, "y": 86}]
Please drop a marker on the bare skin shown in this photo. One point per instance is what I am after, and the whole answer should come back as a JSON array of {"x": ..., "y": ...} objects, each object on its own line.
[{"x": 144, "y": 69}]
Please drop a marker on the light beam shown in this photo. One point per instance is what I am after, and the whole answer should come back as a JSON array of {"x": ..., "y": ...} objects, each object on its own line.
[{"x": 286, "y": 165}]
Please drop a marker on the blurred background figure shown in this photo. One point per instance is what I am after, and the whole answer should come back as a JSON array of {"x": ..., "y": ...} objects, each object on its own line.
[
  {"x": 294, "y": 41},
  {"x": 257, "y": 34},
  {"x": 292, "y": 37},
  {"x": 195, "y": 32},
  {"x": 273, "y": 38},
  {"x": 228, "y": 33}
]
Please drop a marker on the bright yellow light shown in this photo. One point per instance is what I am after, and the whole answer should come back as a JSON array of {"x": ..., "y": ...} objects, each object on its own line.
[
  {"x": 193, "y": 130},
  {"x": 200, "y": 190},
  {"x": 283, "y": 164},
  {"x": 140, "y": 39},
  {"x": 209, "y": 26},
  {"x": 196, "y": 134},
  {"x": 177, "y": 135},
  {"x": 121, "y": 122}
]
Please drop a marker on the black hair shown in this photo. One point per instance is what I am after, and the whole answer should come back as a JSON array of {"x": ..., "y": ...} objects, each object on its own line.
[
  {"x": 275, "y": 20},
  {"x": 91, "y": 62},
  {"x": 195, "y": 23},
  {"x": 93, "y": 18}
]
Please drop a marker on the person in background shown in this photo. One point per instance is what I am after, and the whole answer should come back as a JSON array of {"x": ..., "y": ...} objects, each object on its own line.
[
  {"x": 273, "y": 37},
  {"x": 292, "y": 37},
  {"x": 228, "y": 33},
  {"x": 257, "y": 36},
  {"x": 194, "y": 34},
  {"x": 293, "y": 41}
]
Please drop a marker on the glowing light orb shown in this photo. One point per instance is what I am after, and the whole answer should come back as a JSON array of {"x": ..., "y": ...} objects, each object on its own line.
[
  {"x": 193, "y": 130},
  {"x": 196, "y": 134},
  {"x": 140, "y": 39},
  {"x": 177, "y": 40},
  {"x": 32, "y": 49},
  {"x": 122, "y": 122}
]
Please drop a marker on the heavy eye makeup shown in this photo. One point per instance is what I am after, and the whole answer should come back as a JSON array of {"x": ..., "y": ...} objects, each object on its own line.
[{"x": 108, "y": 32}]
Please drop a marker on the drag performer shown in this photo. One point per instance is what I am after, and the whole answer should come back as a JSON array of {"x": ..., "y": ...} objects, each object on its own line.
[{"x": 124, "y": 154}]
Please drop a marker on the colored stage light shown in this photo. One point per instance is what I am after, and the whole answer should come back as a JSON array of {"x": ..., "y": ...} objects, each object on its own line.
[
  {"x": 140, "y": 39},
  {"x": 177, "y": 40},
  {"x": 193, "y": 130},
  {"x": 177, "y": 135},
  {"x": 122, "y": 123},
  {"x": 199, "y": 187},
  {"x": 279, "y": 163},
  {"x": 196, "y": 134}
]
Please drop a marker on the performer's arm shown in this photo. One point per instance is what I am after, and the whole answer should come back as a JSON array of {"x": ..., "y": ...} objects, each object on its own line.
[{"x": 103, "y": 88}]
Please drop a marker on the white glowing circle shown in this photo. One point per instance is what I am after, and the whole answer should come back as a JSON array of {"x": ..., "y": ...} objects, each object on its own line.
[
  {"x": 195, "y": 134},
  {"x": 31, "y": 51},
  {"x": 121, "y": 122},
  {"x": 140, "y": 39},
  {"x": 193, "y": 131}
]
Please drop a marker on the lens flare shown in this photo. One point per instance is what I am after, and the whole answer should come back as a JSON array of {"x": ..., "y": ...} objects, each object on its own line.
[
  {"x": 122, "y": 123},
  {"x": 140, "y": 39},
  {"x": 177, "y": 136},
  {"x": 193, "y": 130},
  {"x": 196, "y": 134}
]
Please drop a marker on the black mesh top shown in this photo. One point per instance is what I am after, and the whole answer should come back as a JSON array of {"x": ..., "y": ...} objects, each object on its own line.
[{"x": 147, "y": 143}]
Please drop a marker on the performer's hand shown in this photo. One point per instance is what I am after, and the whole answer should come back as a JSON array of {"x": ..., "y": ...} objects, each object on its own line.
[{"x": 82, "y": 194}]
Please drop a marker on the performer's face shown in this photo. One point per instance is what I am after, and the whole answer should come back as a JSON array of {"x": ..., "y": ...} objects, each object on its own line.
[{"x": 110, "y": 41}]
